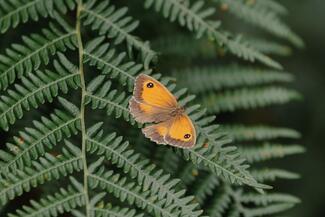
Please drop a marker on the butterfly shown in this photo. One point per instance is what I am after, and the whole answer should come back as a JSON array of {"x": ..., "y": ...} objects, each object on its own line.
[{"x": 153, "y": 103}]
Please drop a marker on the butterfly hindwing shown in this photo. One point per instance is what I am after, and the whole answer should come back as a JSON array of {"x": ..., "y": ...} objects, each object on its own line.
[
  {"x": 157, "y": 132},
  {"x": 178, "y": 132},
  {"x": 181, "y": 132}
]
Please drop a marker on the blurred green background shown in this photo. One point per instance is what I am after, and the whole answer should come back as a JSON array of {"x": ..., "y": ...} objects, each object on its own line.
[{"x": 307, "y": 19}]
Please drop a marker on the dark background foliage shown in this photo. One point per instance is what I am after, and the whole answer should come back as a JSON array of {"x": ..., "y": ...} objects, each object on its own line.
[{"x": 307, "y": 18}]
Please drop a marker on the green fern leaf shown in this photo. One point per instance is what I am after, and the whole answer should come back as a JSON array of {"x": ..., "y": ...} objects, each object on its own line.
[
  {"x": 241, "y": 133},
  {"x": 175, "y": 45},
  {"x": 100, "y": 96},
  {"x": 267, "y": 174},
  {"x": 46, "y": 168},
  {"x": 213, "y": 78},
  {"x": 269, "y": 47},
  {"x": 248, "y": 98},
  {"x": 115, "y": 211},
  {"x": 109, "y": 63},
  {"x": 129, "y": 192},
  {"x": 33, "y": 142},
  {"x": 22, "y": 59},
  {"x": 115, "y": 23},
  {"x": 260, "y": 199},
  {"x": 269, "y": 151},
  {"x": 35, "y": 90},
  {"x": 220, "y": 202},
  {"x": 12, "y": 13},
  {"x": 264, "y": 19},
  {"x": 268, "y": 210},
  {"x": 152, "y": 179},
  {"x": 205, "y": 187},
  {"x": 272, "y": 5},
  {"x": 196, "y": 19},
  {"x": 63, "y": 201}
]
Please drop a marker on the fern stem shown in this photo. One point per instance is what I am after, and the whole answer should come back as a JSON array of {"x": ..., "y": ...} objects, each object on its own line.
[{"x": 82, "y": 107}]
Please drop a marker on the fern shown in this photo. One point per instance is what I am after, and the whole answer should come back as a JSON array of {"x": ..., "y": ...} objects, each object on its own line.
[
  {"x": 110, "y": 210},
  {"x": 35, "y": 90},
  {"x": 25, "y": 58},
  {"x": 265, "y": 19},
  {"x": 113, "y": 23},
  {"x": 45, "y": 169},
  {"x": 151, "y": 179},
  {"x": 32, "y": 143},
  {"x": 269, "y": 151},
  {"x": 66, "y": 81},
  {"x": 13, "y": 13},
  {"x": 248, "y": 98},
  {"x": 53, "y": 205},
  {"x": 270, "y": 47},
  {"x": 195, "y": 18},
  {"x": 259, "y": 133},
  {"x": 203, "y": 79}
]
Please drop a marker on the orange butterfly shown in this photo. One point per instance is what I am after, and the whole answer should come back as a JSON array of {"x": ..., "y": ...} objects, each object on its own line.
[{"x": 153, "y": 103}]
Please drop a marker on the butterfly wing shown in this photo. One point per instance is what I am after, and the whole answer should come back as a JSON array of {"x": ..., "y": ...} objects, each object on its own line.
[
  {"x": 181, "y": 132},
  {"x": 151, "y": 101},
  {"x": 144, "y": 113},
  {"x": 178, "y": 132}
]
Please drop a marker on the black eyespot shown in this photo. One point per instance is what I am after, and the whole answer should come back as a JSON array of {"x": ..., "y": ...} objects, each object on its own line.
[
  {"x": 187, "y": 136},
  {"x": 150, "y": 85}
]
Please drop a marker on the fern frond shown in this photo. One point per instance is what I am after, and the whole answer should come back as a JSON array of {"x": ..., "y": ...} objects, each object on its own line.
[
  {"x": 269, "y": 151},
  {"x": 196, "y": 18},
  {"x": 264, "y": 204},
  {"x": 216, "y": 78},
  {"x": 205, "y": 187},
  {"x": 273, "y": 5},
  {"x": 220, "y": 202},
  {"x": 46, "y": 168},
  {"x": 63, "y": 201},
  {"x": 269, "y": 47},
  {"x": 247, "y": 98},
  {"x": 12, "y": 13},
  {"x": 36, "y": 89},
  {"x": 33, "y": 142},
  {"x": 109, "y": 63},
  {"x": 115, "y": 24},
  {"x": 174, "y": 45},
  {"x": 268, "y": 210},
  {"x": 169, "y": 160},
  {"x": 267, "y": 174},
  {"x": 100, "y": 96},
  {"x": 22, "y": 59},
  {"x": 241, "y": 133},
  {"x": 130, "y": 192},
  {"x": 264, "y": 19},
  {"x": 260, "y": 199},
  {"x": 114, "y": 211},
  {"x": 148, "y": 176}
]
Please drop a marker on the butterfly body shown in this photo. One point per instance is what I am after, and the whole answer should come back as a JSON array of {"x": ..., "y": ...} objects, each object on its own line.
[{"x": 152, "y": 102}]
